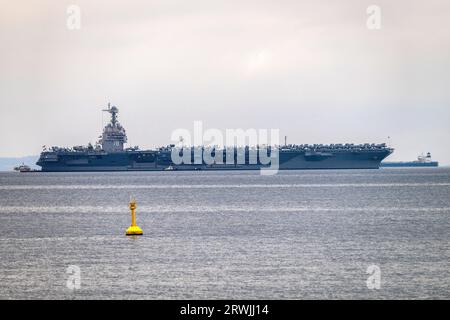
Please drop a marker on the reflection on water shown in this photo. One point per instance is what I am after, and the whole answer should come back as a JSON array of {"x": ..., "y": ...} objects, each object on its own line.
[{"x": 299, "y": 234}]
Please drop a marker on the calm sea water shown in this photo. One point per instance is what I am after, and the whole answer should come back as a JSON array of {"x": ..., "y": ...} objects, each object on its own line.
[{"x": 207, "y": 235}]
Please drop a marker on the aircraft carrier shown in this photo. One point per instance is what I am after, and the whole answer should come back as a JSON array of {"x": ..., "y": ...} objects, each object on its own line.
[{"x": 109, "y": 154}]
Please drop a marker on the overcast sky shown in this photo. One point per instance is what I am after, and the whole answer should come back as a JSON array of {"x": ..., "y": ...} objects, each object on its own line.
[{"x": 312, "y": 69}]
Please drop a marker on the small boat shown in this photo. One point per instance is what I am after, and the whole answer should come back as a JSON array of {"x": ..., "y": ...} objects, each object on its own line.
[
  {"x": 22, "y": 168},
  {"x": 169, "y": 168}
]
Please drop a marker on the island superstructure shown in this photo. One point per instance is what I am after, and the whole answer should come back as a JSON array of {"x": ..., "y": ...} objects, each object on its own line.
[{"x": 109, "y": 154}]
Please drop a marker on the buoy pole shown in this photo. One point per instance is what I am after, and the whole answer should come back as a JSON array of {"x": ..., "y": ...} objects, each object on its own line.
[
  {"x": 133, "y": 213},
  {"x": 133, "y": 230}
]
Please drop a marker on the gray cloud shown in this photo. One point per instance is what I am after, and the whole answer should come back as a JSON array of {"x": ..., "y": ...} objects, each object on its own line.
[{"x": 310, "y": 68}]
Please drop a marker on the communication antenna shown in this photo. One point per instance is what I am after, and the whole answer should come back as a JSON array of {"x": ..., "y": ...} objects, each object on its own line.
[
  {"x": 102, "y": 120},
  {"x": 105, "y": 110},
  {"x": 113, "y": 111}
]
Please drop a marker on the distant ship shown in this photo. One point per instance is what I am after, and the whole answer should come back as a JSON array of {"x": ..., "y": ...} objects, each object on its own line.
[
  {"x": 22, "y": 168},
  {"x": 109, "y": 154},
  {"x": 422, "y": 161}
]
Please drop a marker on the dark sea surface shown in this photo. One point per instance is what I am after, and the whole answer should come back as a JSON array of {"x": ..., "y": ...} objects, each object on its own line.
[{"x": 233, "y": 235}]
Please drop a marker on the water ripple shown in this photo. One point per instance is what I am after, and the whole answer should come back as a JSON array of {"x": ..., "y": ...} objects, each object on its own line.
[{"x": 217, "y": 186}]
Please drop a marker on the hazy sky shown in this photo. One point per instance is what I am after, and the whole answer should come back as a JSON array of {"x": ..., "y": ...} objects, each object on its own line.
[{"x": 312, "y": 69}]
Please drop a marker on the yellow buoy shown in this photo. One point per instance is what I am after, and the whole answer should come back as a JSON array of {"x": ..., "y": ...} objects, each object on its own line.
[{"x": 133, "y": 230}]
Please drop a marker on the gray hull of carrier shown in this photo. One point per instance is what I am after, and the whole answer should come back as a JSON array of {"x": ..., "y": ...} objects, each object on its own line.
[{"x": 66, "y": 161}]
